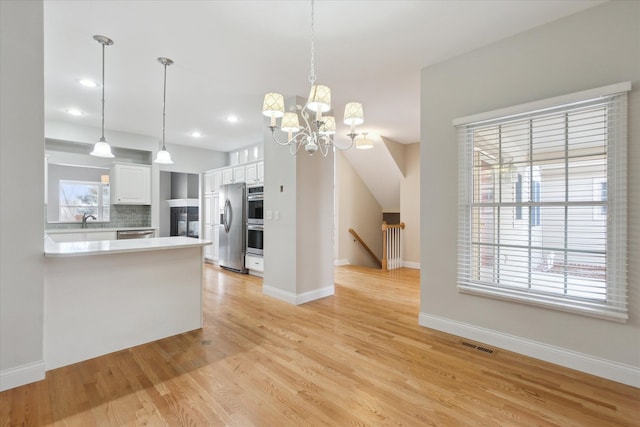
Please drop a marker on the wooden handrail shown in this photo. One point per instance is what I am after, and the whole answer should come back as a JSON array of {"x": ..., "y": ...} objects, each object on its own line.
[
  {"x": 373, "y": 256},
  {"x": 385, "y": 227}
]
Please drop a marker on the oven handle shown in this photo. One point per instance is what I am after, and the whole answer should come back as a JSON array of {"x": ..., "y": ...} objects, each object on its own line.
[
  {"x": 255, "y": 227},
  {"x": 255, "y": 196}
]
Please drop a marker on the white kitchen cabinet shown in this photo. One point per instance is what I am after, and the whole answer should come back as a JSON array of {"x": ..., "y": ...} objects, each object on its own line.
[
  {"x": 213, "y": 181},
  {"x": 211, "y": 251},
  {"x": 130, "y": 184},
  {"x": 208, "y": 207},
  {"x": 215, "y": 240},
  {"x": 238, "y": 174},
  {"x": 208, "y": 250},
  {"x": 227, "y": 176},
  {"x": 254, "y": 173},
  {"x": 251, "y": 173},
  {"x": 254, "y": 263},
  {"x": 260, "y": 172},
  {"x": 210, "y": 214},
  {"x": 217, "y": 180},
  {"x": 208, "y": 182}
]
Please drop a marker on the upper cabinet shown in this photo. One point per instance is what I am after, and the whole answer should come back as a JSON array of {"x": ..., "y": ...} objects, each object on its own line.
[
  {"x": 254, "y": 173},
  {"x": 238, "y": 174},
  {"x": 130, "y": 184},
  {"x": 251, "y": 173},
  {"x": 212, "y": 181}
]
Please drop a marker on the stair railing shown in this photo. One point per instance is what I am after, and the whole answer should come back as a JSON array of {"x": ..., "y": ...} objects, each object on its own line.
[
  {"x": 391, "y": 248},
  {"x": 373, "y": 256}
]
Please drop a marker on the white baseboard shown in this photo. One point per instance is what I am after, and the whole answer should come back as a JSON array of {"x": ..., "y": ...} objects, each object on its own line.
[
  {"x": 21, "y": 375},
  {"x": 614, "y": 371},
  {"x": 409, "y": 264},
  {"x": 297, "y": 299},
  {"x": 341, "y": 262}
]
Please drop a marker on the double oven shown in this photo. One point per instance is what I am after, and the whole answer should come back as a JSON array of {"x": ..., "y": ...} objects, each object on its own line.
[{"x": 255, "y": 220}]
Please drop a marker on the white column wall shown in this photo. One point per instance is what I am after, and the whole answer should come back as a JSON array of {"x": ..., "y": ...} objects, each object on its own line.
[{"x": 21, "y": 192}]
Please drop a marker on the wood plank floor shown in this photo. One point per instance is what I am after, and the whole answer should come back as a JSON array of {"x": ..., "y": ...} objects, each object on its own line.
[{"x": 356, "y": 358}]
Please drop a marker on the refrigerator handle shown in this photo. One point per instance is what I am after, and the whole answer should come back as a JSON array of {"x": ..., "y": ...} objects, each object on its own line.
[{"x": 227, "y": 215}]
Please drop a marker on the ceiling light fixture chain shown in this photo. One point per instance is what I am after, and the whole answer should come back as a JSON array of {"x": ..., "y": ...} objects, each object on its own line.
[
  {"x": 318, "y": 132},
  {"x": 312, "y": 73}
]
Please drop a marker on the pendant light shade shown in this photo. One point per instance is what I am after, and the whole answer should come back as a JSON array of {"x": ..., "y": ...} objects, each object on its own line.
[
  {"x": 102, "y": 148},
  {"x": 163, "y": 157}
]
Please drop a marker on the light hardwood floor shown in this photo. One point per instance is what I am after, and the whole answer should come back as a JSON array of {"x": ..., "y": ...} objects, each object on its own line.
[{"x": 356, "y": 358}]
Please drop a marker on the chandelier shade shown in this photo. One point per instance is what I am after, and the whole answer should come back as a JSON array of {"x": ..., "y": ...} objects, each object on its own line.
[
  {"x": 363, "y": 143},
  {"x": 319, "y": 99},
  {"x": 290, "y": 123},
  {"x": 353, "y": 114},
  {"x": 329, "y": 126},
  {"x": 273, "y": 106}
]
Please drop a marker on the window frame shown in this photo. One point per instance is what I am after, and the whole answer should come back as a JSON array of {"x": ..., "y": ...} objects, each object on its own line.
[
  {"x": 614, "y": 306},
  {"x": 101, "y": 205}
]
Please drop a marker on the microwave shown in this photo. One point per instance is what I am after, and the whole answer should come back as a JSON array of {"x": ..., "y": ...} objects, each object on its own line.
[{"x": 255, "y": 205}]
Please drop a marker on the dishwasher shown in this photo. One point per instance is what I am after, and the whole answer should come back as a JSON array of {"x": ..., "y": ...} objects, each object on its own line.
[{"x": 135, "y": 234}]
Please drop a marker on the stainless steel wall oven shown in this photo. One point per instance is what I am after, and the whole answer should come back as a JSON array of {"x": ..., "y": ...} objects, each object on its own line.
[
  {"x": 255, "y": 205},
  {"x": 255, "y": 234}
]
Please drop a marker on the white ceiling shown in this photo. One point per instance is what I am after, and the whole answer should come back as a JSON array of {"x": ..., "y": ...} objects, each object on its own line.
[{"x": 229, "y": 53}]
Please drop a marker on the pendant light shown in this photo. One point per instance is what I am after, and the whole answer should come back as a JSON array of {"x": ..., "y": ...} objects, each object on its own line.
[
  {"x": 163, "y": 157},
  {"x": 102, "y": 148}
]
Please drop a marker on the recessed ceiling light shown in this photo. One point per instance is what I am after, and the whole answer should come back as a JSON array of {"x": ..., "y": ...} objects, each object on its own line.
[
  {"x": 232, "y": 119},
  {"x": 196, "y": 134},
  {"x": 74, "y": 112},
  {"x": 88, "y": 83}
]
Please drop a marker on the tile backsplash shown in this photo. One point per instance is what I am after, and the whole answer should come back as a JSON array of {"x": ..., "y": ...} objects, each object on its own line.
[{"x": 120, "y": 216}]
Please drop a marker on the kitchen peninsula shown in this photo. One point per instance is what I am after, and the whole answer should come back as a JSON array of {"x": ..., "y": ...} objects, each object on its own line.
[{"x": 107, "y": 295}]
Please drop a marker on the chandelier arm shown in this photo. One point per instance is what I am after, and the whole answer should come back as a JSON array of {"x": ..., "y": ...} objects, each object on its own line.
[
  {"x": 275, "y": 139},
  {"x": 345, "y": 148}
]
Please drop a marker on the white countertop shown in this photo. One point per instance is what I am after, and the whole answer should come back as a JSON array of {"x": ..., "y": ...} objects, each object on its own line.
[
  {"x": 95, "y": 230},
  {"x": 103, "y": 247}
]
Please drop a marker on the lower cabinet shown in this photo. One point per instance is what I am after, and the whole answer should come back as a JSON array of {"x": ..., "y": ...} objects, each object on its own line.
[
  {"x": 211, "y": 251},
  {"x": 254, "y": 263}
]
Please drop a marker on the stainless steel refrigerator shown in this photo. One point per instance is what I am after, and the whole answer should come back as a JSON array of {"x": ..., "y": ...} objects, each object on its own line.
[{"x": 233, "y": 220}]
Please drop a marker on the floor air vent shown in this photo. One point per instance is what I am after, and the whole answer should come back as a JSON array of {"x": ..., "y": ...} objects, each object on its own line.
[{"x": 477, "y": 347}]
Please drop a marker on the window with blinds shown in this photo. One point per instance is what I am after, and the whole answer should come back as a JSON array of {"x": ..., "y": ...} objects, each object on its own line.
[{"x": 542, "y": 203}]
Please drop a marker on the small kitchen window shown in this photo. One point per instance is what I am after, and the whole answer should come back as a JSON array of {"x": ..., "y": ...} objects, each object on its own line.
[{"x": 79, "y": 198}]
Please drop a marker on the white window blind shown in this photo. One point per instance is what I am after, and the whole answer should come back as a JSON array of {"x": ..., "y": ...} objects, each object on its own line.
[{"x": 542, "y": 203}]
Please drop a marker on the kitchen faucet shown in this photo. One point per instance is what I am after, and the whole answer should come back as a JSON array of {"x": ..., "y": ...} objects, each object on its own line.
[{"x": 85, "y": 217}]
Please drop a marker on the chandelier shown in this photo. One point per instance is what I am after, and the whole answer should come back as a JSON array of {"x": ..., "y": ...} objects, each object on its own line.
[{"x": 319, "y": 130}]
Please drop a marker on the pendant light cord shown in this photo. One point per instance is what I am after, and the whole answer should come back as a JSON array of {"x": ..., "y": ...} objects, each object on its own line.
[
  {"x": 164, "y": 102},
  {"x": 102, "y": 137}
]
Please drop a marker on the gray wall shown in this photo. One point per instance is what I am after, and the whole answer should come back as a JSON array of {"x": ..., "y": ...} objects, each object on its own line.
[
  {"x": 21, "y": 192},
  {"x": 595, "y": 48}
]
